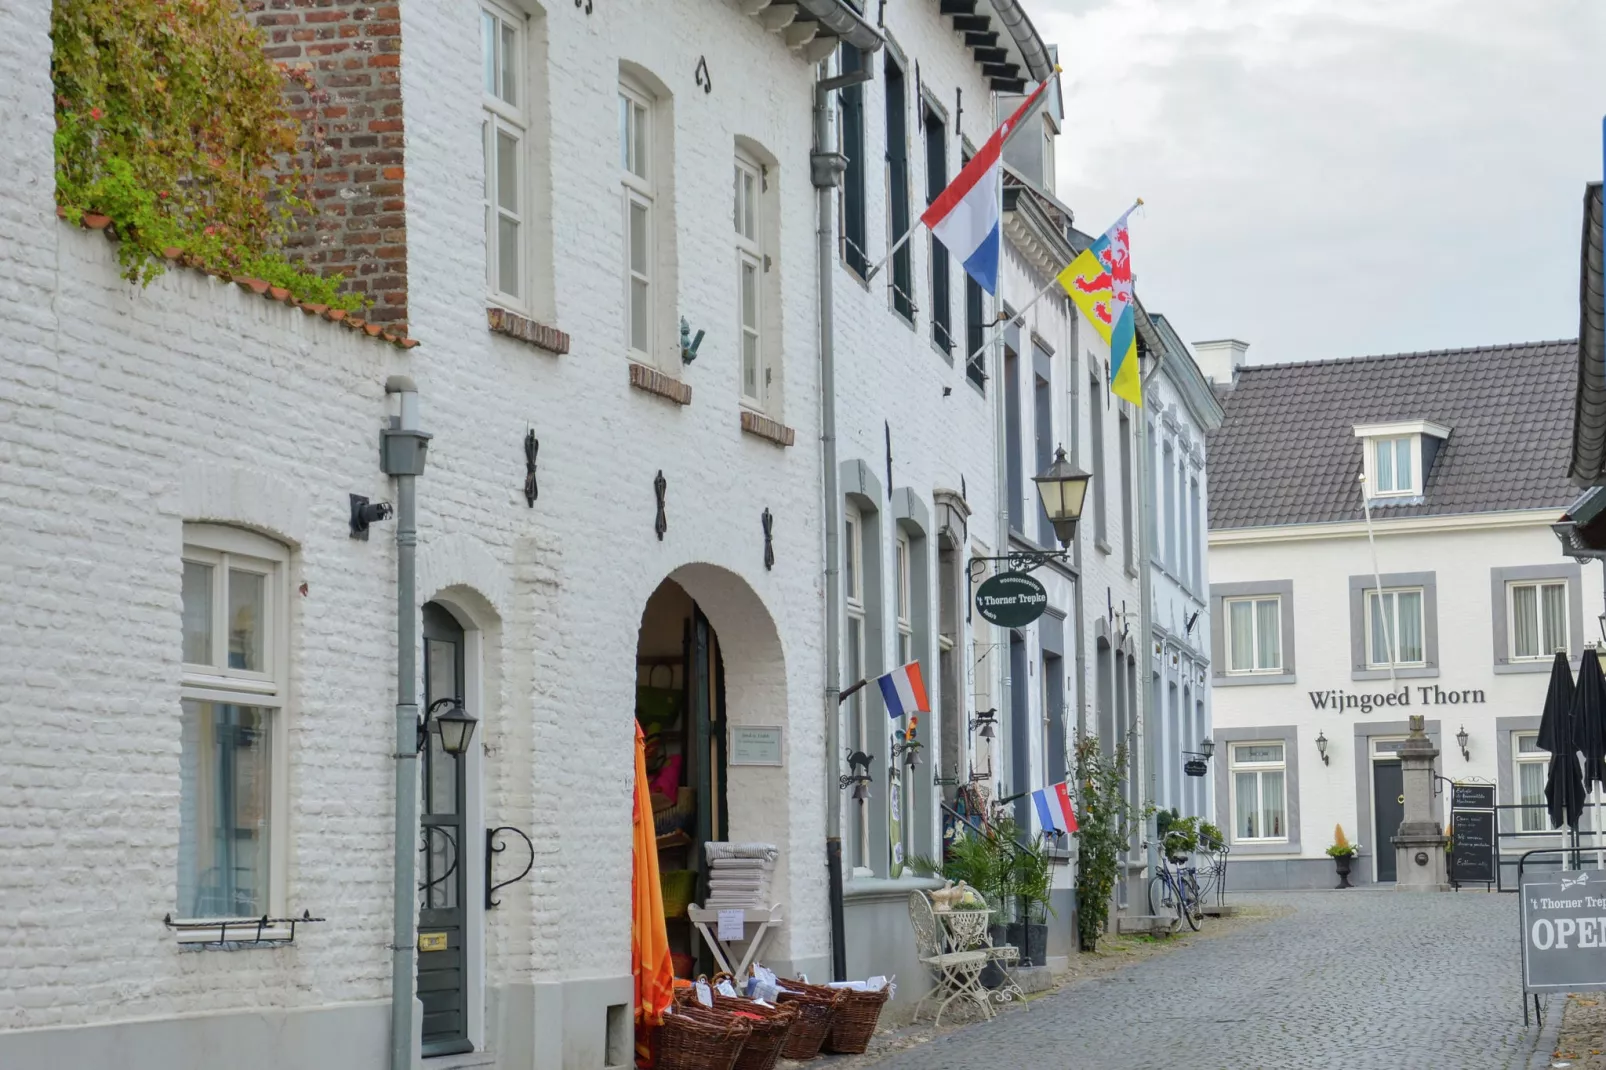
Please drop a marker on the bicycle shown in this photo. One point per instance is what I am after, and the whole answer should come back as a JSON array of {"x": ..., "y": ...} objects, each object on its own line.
[{"x": 1176, "y": 887}]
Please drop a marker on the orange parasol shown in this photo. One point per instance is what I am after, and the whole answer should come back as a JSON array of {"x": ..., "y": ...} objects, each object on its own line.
[{"x": 649, "y": 937}]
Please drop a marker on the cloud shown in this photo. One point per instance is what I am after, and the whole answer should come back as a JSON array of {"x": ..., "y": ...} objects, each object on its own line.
[{"x": 1329, "y": 180}]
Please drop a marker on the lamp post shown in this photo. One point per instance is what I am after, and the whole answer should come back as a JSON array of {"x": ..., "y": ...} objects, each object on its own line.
[{"x": 1063, "y": 489}]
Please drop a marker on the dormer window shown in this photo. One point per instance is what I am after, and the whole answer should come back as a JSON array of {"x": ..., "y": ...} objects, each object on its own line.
[{"x": 1398, "y": 456}]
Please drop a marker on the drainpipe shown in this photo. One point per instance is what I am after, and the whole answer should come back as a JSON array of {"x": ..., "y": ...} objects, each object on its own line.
[
  {"x": 402, "y": 449},
  {"x": 825, "y": 170},
  {"x": 1001, "y": 649},
  {"x": 1146, "y": 610}
]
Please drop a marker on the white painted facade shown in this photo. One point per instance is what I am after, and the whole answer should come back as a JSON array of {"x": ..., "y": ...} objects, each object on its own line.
[
  {"x": 1466, "y": 565},
  {"x": 1181, "y": 410},
  {"x": 130, "y": 413}
]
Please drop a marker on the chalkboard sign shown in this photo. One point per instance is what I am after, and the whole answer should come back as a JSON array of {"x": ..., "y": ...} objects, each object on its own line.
[
  {"x": 1472, "y": 860},
  {"x": 1472, "y": 797}
]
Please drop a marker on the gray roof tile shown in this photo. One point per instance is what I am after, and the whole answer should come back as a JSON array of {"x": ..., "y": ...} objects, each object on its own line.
[{"x": 1286, "y": 452}]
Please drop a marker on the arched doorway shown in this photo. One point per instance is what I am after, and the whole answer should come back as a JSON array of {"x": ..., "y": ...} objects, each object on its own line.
[
  {"x": 711, "y": 699},
  {"x": 680, "y": 705},
  {"x": 443, "y": 849}
]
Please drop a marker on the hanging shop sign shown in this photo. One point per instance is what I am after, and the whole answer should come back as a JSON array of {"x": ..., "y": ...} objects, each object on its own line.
[
  {"x": 754, "y": 744},
  {"x": 1195, "y": 767},
  {"x": 1011, "y": 599}
]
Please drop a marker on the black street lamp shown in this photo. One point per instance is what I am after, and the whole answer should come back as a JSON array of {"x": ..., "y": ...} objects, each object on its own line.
[
  {"x": 1321, "y": 747},
  {"x": 1063, "y": 489},
  {"x": 454, "y": 723}
]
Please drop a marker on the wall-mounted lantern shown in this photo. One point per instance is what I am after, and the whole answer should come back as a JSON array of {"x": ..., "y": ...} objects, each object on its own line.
[
  {"x": 1461, "y": 741},
  {"x": 453, "y": 723},
  {"x": 1321, "y": 747}
]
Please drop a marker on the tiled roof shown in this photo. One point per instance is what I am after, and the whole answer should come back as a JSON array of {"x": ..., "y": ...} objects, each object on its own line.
[
  {"x": 1589, "y": 420},
  {"x": 1287, "y": 452},
  {"x": 352, "y": 320}
]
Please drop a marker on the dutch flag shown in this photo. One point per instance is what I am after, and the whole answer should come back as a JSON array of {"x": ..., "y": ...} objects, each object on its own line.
[
  {"x": 904, "y": 690},
  {"x": 1054, "y": 809},
  {"x": 965, "y": 217}
]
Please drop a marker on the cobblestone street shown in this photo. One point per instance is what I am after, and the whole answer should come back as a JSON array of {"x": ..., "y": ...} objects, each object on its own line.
[{"x": 1362, "y": 979}]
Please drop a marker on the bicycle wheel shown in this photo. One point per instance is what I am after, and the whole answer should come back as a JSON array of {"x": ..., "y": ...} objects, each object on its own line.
[
  {"x": 1189, "y": 903},
  {"x": 1160, "y": 898}
]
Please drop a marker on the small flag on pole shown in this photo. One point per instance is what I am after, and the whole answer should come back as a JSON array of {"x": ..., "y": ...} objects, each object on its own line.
[
  {"x": 904, "y": 690},
  {"x": 1054, "y": 809},
  {"x": 965, "y": 217}
]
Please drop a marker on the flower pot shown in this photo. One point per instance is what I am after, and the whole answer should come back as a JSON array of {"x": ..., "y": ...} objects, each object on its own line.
[
  {"x": 1342, "y": 864},
  {"x": 1031, "y": 940}
]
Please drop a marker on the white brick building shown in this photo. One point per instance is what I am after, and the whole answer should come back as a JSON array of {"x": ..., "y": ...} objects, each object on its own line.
[{"x": 201, "y": 659}]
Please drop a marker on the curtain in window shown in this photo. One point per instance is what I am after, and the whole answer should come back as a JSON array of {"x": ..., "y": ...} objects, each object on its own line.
[
  {"x": 1247, "y": 799},
  {"x": 224, "y": 766},
  {"x": 1409, "y": 605},
  {"x": 1271, "y": 802},
  {"x": 1525, "y": 621},
  {"x": 1269, "y": 627},
  {"x": 1382, "y": 610},
  {"x": 1555, "y": 606},
  {"x": 1531, "y": 792},
  {"x": 1243, "y": 636}
]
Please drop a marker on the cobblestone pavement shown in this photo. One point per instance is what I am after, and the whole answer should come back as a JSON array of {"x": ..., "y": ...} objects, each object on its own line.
[{"x": 1353, "y": 980}]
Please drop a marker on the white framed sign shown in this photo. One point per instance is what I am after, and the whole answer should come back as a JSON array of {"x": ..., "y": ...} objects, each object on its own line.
[{"x": 754, "y": 744}]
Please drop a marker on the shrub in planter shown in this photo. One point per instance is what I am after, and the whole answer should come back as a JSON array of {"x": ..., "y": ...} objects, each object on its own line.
[{"x": 1106, "y": 821}]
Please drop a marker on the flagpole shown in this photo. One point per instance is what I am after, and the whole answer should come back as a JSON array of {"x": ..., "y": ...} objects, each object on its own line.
[
  {"x": 899, "y": 244},
  {"x": 1002, "y": 323}
]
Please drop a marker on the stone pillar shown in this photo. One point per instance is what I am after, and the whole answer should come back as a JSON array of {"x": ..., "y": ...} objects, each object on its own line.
[{"x": 1419, "y": 845}]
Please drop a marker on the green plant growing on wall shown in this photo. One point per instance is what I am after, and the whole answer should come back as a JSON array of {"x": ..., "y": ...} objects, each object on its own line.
[
  {"x": 171, "y": 121},
  {"x": 1106, "y": 820}
]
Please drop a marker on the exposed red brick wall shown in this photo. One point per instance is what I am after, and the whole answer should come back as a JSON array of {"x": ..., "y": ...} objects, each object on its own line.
[{"x": 353, "y": 148}]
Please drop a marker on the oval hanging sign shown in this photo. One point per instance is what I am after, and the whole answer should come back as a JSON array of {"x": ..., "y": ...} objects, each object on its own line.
[{"x": 1011, "y": 599}]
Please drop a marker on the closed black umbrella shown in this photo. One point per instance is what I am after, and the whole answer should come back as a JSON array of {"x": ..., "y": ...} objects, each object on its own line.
[
  {"x": 1558, "y": 702},
  {"x": 1589, "y": 718},
  {"x": 1564, "y": 786}
]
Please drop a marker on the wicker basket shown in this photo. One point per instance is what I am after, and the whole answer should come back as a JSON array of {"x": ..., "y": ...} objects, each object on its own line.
[
  {"x": 770, "y": 1031},
  {"x": 855, "y": 1021},
  {"x": 816, "y": 1012},
  {"x": 695, "y": 1038}
]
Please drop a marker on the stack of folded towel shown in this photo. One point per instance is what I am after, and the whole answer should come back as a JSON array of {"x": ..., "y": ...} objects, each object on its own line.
[{"x": 739, "y": 875}]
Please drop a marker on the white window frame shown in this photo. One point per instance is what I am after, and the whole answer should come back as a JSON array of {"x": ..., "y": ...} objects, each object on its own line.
[
  {"x": 1546, "y": 650},
  {"x": 1528, "y": 820},
  {"x": 224, "y": 548},
  {"x": 637, "y": 170},
  {"x": 510, "y": 118},
  {"x": 853, "y": 603},
  {"x": 902, "y": 566},
  {"x": 1368, "y": 596},
  {"x": 1254, "y": 639},
  {"x": 1234, "y": 767},
  {"x": 750, "y": 256},
  {"x": 1409, "y": 432}
]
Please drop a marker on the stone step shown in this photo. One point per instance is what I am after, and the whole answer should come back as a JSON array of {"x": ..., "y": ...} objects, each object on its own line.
[{"x": 1212, "y": 910}]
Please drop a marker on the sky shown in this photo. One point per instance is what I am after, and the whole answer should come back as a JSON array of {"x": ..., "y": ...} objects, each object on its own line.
[{"x": 1330, "y": 178}]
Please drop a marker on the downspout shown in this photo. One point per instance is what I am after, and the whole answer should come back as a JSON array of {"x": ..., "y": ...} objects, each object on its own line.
[
  {"x": 1145, "y": 608},
  {"x": 402, "y": 449},
  {"x": 825, "y": 170},
  {"x": 1001, "y": 649}
]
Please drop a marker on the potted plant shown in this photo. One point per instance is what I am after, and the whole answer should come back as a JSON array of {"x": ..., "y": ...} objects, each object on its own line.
[
  {"x": 1180, "y": 838},
  {"x": 1210, "y": 837},
  {"x": 1031, "y": 879},
  {"x": 1342, "y": 852}
]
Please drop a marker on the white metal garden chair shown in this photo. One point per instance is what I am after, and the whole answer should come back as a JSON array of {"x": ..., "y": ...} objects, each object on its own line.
[{"x": 957, "y": 973}]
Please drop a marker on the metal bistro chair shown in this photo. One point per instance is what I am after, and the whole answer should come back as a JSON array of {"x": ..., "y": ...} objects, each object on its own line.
[{"x": 957, "y": 973}]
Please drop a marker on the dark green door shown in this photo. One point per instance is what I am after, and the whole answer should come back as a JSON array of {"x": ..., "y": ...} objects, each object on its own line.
[
  {"x": 442, "y": 847},
  {"x": 1388, "y": 803}
]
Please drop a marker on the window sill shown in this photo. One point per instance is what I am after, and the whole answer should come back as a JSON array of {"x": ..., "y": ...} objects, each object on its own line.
[
  {"x": 1265, "y": 847},
  {"x": 864, "y": 887},
  {"x": 1254, "y": 679},
  {"x": 1103, "y": 547},
  {"x": 1415, "y": 672},
  {"x": 1506, "y": 668},
  {"x": 945, "y": 354},
  {"x": 658, "y": 384},
  {"x": 767, "y": 429},
  {"x": 526, "y": 330}
]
